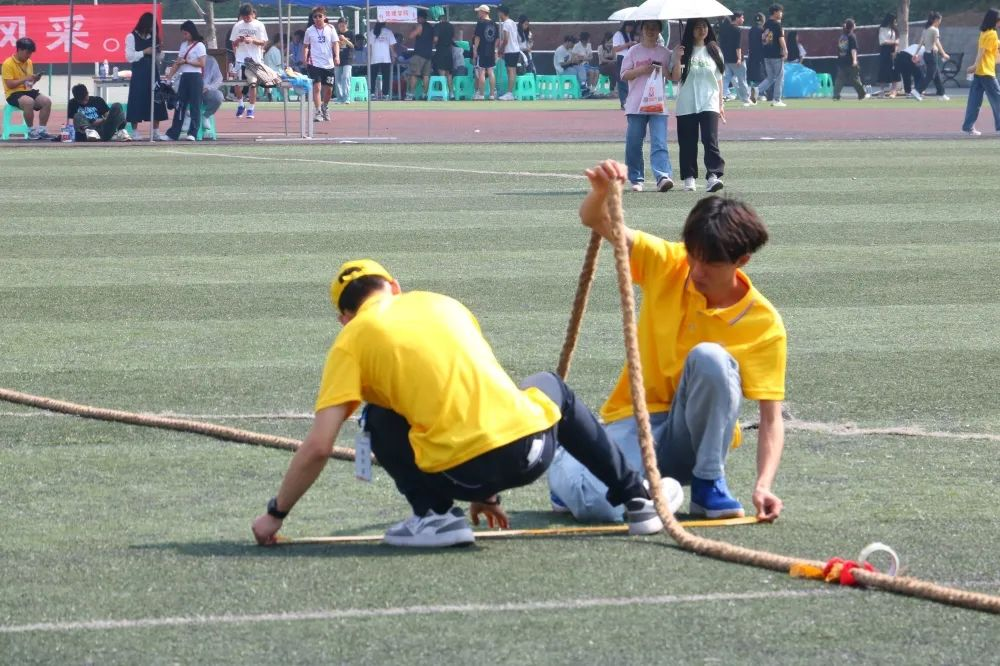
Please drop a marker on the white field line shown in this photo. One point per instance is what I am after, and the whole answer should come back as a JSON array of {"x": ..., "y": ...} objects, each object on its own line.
[
  {"x": 840, "y": 429},
  {"x": 386, "y": 166},
  {"x": 447, "y": 609}
]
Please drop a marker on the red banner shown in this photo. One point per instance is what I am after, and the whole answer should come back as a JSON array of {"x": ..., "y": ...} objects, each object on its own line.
[{"x": 98, "y": 31}]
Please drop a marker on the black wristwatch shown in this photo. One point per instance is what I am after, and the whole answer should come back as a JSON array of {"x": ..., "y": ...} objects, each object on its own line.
[{"x": 272, "y": 509}]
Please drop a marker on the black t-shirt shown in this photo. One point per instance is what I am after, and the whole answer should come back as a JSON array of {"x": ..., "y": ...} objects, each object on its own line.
[
  {"x": 424, "y": 44},
  {"x": 729, "y": 41},
  {"x": 487, "y": 32},
  {"x": 346, "y": 52},
  {"x": 769, "y": 39},
  {"x": 94, "y": 108},
  {"x": 446, "y": 35},
  {"x": 845, "y": 45}
]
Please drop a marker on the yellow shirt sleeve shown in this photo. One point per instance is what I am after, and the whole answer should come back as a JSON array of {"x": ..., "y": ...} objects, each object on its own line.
[
  {"x": 762, "y": 371},
  {"x": 341, "y": 383},
  {"x": 11, "y": 71},
  {"x": 652, "y": 256}
]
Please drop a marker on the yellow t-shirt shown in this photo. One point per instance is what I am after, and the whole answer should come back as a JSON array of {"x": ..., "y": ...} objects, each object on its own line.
[
  {"x": 989, "y": 42},
  {"x": 12, "y": 69},
  {"x": 423, "y": 356},
  {"x": 674, "y": 317}
]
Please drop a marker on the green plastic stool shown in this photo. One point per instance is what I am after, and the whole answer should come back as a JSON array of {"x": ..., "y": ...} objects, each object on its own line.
[
  {"x": 547, "y": 86},
  {"x": 524, "y": 87},
  {"x": 9, "y": 126},
  {"x": 437, "y": 88},
  {"x": 359, "y": 89},
  {"x": 211, "y": 127},
  {"x": 569, "y": 86},
  {"x": 603, "y": 85},
  {"x": 465, "y": 87},
  {"x": 825, "y": 85}
]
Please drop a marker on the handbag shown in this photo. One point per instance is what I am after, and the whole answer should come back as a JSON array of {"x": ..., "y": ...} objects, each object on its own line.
[{"x": 165, "y": 94}]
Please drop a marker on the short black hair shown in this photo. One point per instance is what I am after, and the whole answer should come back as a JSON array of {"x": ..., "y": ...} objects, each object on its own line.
[
  {"x": 849, "y": 25},
  {"x": 990, "y": 20},
  {"x": 774, "y": 8},
  {"x": 246, "y": 9},
  {"x": 80, "y": 92},
  {"x": 584, "y": 36},
  {"x": 358, "y": 290},
  {"x": 504, "y": 9},
  {"x": 722, "y": 229},
  {"x": 736, "y": 15},
  {"x": 25, "y": 44}
]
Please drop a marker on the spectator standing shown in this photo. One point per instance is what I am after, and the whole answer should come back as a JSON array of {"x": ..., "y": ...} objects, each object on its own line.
[
  {"x": 344, "y": 70},
  {"x": 755, "y": 56},
  {"x": 322, "y": 54},
  {"x": 888, "y": 43},
  {"x": 796, "y": 52},
  {"x": 190, "y": 63},
  {"x": 94, "y": 119},
  {"x": 19, "y": 79},
  {"x": 510, "y": 46},
  {"x": 699, "y": 66},
  {"x": 775, "y": 50},
  {"x": 526, "y": 41},
  {"x": 984, "y": 75},
  {"x": 908, "y": 64},
  {"x": 623, "y": 40},
  {"x": 731, "y": 43},
  {"x": 484, "y": 48},
  {"x": 443, "y": 61},
  {"x": 211, "y": 95},
  {"x": 931, "y": 41},
  {"x": 249, "y": 36},
  {"x": 296, "y": 52},
  {"x": 139, "y": 52},
  {"x": 423, "y": 54},
  {"x": 607, "y": 61},
  {"x": 848, "y": 71},
  {"x": 382, "y": 40},
  {"x": 642, "y": 61}
]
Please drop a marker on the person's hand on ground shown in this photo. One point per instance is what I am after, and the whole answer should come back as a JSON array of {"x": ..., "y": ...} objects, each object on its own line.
[
  {"x": 768, "y": 505},
  {"x": 495, "y": 515},
  {"x": 265, "y": 529}
]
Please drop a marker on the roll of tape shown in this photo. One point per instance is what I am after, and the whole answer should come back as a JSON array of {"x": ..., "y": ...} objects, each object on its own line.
[{"x": 878, "y": 547}]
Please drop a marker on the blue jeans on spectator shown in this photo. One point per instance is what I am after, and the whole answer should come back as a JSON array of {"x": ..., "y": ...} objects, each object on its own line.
[
  {"x": 738, "y": 72},
  {"x": 342, "y": 89},
  {"x": 774, "y": 69},
  {"x": 581, "y": 76},
  {"x": 635, "y": 136},
  {"x": 692, "y": 439},
  {"x": 622, "y": 85},
  {"x": 982, "y": 85}
]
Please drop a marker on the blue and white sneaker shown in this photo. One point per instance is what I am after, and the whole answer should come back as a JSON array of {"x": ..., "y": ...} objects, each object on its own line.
[
  {"x": 433, "y": 530},
  {"x": 239, "y": 110},
  {"x": 249, "y": 114},
  {"x": 712, "y": 499},
  {"x": 557, "y": 504}
]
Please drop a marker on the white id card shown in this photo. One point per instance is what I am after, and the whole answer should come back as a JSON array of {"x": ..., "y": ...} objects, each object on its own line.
[{"x": 363, "y": 456}]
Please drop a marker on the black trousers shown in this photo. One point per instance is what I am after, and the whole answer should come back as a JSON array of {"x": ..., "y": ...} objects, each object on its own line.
[
  {"x": 848, "y": 75},
  {"x": 385, "y": 70},
  {"x": 933, "y": 74},
  {"x": 913, "y": 77},
  {"x": 688, "y": 128},
  {"x": 517, "y": 464},
  {"x": 189, "y": 92}
]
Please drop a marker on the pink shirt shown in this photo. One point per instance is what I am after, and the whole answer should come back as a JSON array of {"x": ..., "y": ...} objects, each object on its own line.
[{"x": 640, "y": 56}]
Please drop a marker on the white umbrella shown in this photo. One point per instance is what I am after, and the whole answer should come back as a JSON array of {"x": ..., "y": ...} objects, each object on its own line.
[{"x": 664, "y": 10}]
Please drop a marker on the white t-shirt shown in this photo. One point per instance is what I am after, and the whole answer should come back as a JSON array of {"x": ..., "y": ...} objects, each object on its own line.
[
  {"x": 640, "y": 56},
  {"x": 559, "y": 57},
  {"x": 582, "y": 52},
  {"x": 700, "y": 92},
  {"x": 915, "y": 50},
  {"x": 886, "y": 35},
  {"x": 190, "y": 52},
  {"x": 320, "y": 43},
  {"x": 381, "y": 45},
  {"x": 509, "y": 29},
  {"x": 253, "y": 30}
]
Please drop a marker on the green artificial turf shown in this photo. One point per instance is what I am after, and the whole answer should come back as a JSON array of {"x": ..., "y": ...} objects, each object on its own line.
[{"x": 154, "y": 280}]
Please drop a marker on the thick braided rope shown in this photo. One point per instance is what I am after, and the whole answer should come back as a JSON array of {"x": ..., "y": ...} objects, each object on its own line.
[
  {"x": 587, "y": 274},
  {"x": 717, "y": 549},
  {"x": 150, "y": 421}
]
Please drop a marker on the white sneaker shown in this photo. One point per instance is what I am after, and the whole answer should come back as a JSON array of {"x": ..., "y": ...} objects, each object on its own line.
[
  {"x": 640, "y": 513},
  {"x": 713, "y": 183},
  {"x": 749, "y": 104},
  {"x": 92, "y": 134},
  {"x": 190, "y": 137},
  {"x": 325, "y": 111},
  {"x": 507, "y": 97},
  {"x": 665, "y": 184},
  {"x": 163, "y": 137},
  {"x": 477, "y": 97},
  {"x": 944, "y": 98},
  {"x": 867, "y": 96},
  {"x": 121, "y": 135},
  {"x": 974, "y": 132},
  {"x": 637, "y": 187},
  {"x": 157, "y": 136},
  {"x": 318, "y": 116},
  {"x": 690, "y": 185},
  {"x": 917, "y": 96},
  {"x": 781, "y": 104},
  {"x": 433, "y": 530}
]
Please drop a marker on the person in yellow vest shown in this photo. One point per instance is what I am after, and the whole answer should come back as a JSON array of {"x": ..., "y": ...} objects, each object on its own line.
[
  {"x": 444, "y": 419},
  {"x": 19, "y": 81},
  {"x": 707, "y": 339}
]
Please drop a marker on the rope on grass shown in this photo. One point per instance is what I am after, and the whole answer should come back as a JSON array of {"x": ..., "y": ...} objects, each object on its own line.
[
  {"x": 587, "y": 274},
  {"x": 151, "y": 421},
  {"x": 717, "y": 549}
]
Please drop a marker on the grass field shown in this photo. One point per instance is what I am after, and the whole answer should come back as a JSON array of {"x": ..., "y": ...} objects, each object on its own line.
[{"x": 195, "y": 282}]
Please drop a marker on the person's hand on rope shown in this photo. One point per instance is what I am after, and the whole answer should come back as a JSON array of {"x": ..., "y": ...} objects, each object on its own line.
[
  {"x": 768, "y": 505},
  {"x": 594, "y": 211},
  {"x": 490, "y": 508},
  {"x": 265, "y": 529}
]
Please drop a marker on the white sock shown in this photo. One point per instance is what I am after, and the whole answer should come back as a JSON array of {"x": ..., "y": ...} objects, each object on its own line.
[
  {"x": 249, "y": 107},
  {"x": 239, "y": 101}
]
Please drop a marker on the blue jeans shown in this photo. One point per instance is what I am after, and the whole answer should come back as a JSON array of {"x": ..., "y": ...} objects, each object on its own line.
[
  {"x": 635, "y": 135},
  {"x": 692, "y": 439},
  {"x": 738, "y": 72},
  {"x": 774, "y": 68},
  {"x": 982, "y": 85},
  {"x": 342, "y": 86},
  {"x": 581, "y": 76}
]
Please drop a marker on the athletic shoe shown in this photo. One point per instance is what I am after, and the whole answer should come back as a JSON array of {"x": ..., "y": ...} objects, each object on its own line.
[
  {"x": 917, "y": 96},
  {"x": 325, "y": 110},
  {"x": 249, "y": 114},
  {"x": 867, "y": 96},
  {"x": 318, "y": 116},
  {"x": 164, "y": 137},
  {"x": 672, "y": 490},
  {"x": 713, "y": 183},
  {"x": 91, "y": 134},
  {"x": 637, "y": 187},
  {"x": 156, "y": 135},
  {"x": 121, "y": 135},
  {"x": 753, "y": 95},
  {"x": 749, "y": 103},
  {"x": 477, "y": 97},
  {"x": 34, "y": 134},
  {"x": 507, "y": 97},
  {"x": 944, "y": 98},
  {"x": 433, "y": 530},
  {"x": 690, "y": 185},
  {"x": 778, "y": 103},
  {"x": 665, "y": 184},
  {"x": 190, "y": 137},
  {"x": 239, "y": 110},
  {"x": 557, "y": 504},
  {"x": 973, "y": 132},
  {"x": 712, "y": 499}
]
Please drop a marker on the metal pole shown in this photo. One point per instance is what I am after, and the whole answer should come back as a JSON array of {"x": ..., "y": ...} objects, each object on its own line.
[
  {"x": 152, "y": 79},
  {"x": 284, "y": 93},
  {"x": 368, "y": 45},
  {"x": 69, "y": 65}
]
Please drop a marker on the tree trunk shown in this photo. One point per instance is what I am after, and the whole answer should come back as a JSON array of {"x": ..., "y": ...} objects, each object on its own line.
[
  {"x": 903, "y": 20},
  {"x": 211, "y": 38}
]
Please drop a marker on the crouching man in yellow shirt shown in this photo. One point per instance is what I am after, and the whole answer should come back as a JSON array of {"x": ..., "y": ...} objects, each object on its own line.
[
  {"x": 445, "y": 421},
  {"x": 707, "y": 339}
]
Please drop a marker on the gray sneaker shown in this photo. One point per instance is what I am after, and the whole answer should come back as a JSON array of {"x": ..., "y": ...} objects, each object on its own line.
[
  {"x": 434, "y": 530},
  {"x": 640, "y": 513}
]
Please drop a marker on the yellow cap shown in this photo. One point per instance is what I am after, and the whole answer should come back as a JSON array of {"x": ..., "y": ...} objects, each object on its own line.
[{"x": 351, "y": 271}]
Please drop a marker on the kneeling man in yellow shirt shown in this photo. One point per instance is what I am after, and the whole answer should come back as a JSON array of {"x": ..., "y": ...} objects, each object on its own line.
[
  {"x": 444, "y": 419},
  {"x": 707, "y": 339}
]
